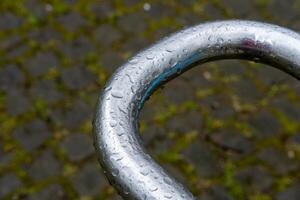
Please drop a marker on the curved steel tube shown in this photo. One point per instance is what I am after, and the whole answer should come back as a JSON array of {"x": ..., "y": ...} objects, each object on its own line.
[{"x": 121, "y": 153}]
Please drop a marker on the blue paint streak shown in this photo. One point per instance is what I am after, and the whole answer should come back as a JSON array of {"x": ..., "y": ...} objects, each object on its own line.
[{"x": 176, "y": 69}]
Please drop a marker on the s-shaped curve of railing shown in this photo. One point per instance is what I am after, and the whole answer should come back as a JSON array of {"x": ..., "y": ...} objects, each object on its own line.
[{"x": 118, "y": 145}]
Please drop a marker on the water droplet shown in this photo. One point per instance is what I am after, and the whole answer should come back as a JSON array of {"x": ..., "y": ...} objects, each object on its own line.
[
  {"x": 119, "y": 159},
  {"x": 113, "y": 123},
  {"x": 122, "y": 110},
  {"x": 168, "y": 196},
  {"x": 131, "y": 81},
  {"x": 115, "y": 172},
  {"x": 167, "y": 180},
  {"x": 150, "y": 56},
  {"x": 133, "y": 61},
  {"x": 106, "y": 89},
  {"x": 170, "y": 48},
  {"x": 120, "y": 133},
  {"x": 116, "y": 94},
  {"x": 144, "y": 172},
  {"x": 220, "y": 40},
  {"x": 153, "y": 188}
]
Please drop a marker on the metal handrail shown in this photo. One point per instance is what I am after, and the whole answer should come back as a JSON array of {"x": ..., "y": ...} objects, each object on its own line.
[{"x": 119, "y": 147}]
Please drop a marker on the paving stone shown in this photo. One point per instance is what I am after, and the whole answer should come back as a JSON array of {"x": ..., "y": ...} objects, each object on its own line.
[
  {"x": 5, "y": 157},
  {"x": 52, "y": 192},
  {"x": 240, "y": 8},
  {"x": 232, "y": 67},
  {"x": 152, "y": 134},
  {"x": 184, "y": 92},
  {"x": 19, "y": 51},
  {"x": 254, "y": 179},
  {"x": 44, "y": 35},
  {"x": 78, "y": 146},
  {"x": 106, "y": 35},
  {"x": 46, "y": 89},
  {"x": 72, "y": 21},
  {"x": 76, "y": 49},
  {"x": 115, "y": 197},
  {"x": 161, "y": 145},
  {"x": 175, "y": 172},
  {"x": 295, "y": 139},
  {"x": 291, "y": 193},
  {"x": 216, "y": 193},
  {"x": 149, "y": 110},
  {"x": 279, "y": 161},
  {"x": 212, "y": 12},
  {"x": 133, "y": 23},
  {"x": 159, "y": 34},
  {"x": 187, "y": 3},
  {"x": 41, "y": 63},
  {"x": 196, "y": 78},
  {"x": 280, "y": 8},
  {"x": 290, "y": 109},
  {"x": 111, "y": 61},
  {"x": 295, "y": 25},
  {"x": 218, "y": 106},
  {"x": 16, "y": 102},
  {"x": 130, "y": 3},
  {"x": 10, "y": 42},
  {"x": 9, "y": 21},
  {"x": 203, "y": 159},
  {"x": 247, "y": 91},
  {"x": 89, "y": 181},
  {"x": 72, "y": 117},
  {"x": 77, "y": 78},
  {"x": 270, "y": 75},
  {"x": 264, "y": 124},
  {"x": 37, "y": 9},
  {"x": 134, "y": 44},
  {"x": 189, "y": 19},
  {"x": 232, "y": 141},
  {"x": 11, "y": 77},
  {"x": 45, "y": 166},
  {"x": 102, "y": 9},
  {"x": 159, "y": 11},
  {"x": 9, "y": 183},
  {"x": 71, "y": 2},
  {"x": 32, "y": 135},
  {"x": 185, "y": 122}
]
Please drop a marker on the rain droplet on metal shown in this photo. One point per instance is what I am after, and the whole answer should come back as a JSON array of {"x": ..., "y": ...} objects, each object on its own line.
[{"x": 117, "y": 94}]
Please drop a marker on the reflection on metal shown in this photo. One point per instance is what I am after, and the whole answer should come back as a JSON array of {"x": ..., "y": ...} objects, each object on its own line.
[{"x": 121, "y": 153}]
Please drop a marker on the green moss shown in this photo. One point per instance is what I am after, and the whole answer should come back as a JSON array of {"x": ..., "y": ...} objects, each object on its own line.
[
  {"x": 263, "y": 3},
  {"x": 283, "y": 182},
  {"x": 290, "y": 126},
  {"x": 260, "y": 197},
  {"x": 229, "y": 181}
]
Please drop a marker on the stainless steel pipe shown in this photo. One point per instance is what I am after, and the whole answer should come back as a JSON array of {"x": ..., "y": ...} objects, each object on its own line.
[{"x": 119, "y": 147}]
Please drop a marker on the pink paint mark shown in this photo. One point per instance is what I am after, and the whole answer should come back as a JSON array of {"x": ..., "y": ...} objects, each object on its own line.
[{"x": 249, "y": 43}]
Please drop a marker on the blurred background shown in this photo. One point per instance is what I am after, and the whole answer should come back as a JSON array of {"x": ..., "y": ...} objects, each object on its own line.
[{"x": 229, "y": 130}]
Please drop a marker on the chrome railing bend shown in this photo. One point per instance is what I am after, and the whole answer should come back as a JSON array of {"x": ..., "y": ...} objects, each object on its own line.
[{"x": 121, "y": 153}]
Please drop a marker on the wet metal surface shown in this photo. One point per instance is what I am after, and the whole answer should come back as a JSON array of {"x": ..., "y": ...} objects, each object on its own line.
[{"x": 128, "y": 166}]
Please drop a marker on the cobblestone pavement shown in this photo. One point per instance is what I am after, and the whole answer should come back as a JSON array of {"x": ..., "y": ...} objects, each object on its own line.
[{"x": 229, "y": 132}]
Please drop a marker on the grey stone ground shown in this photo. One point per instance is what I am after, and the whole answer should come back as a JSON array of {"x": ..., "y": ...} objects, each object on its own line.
[{"x": 228, "y": 129}]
